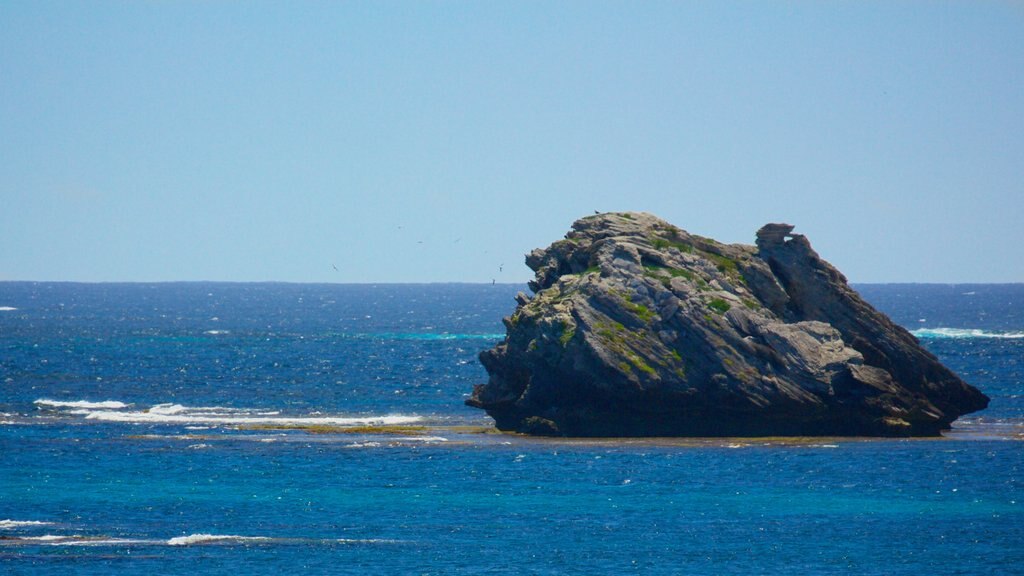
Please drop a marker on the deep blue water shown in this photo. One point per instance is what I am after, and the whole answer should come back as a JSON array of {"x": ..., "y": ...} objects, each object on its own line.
[{"x": 133, "y": 441}]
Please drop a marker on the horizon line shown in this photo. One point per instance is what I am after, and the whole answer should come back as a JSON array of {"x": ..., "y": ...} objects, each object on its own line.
[{"x": 437, "y": 282}]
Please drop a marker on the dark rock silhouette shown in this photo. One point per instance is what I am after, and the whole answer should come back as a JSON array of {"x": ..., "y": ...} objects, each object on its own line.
[{"x": 638, "y": 328}]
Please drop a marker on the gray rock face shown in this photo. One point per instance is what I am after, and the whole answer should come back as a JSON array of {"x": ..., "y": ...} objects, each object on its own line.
[{"x": 638, "y": 328}]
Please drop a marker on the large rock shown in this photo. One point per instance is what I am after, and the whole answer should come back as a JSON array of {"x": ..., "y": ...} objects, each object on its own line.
[{"x": 638, "y": 328}]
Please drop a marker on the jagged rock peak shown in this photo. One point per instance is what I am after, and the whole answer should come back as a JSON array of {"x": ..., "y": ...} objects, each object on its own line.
[
  {"x": 773, "y": 234},
  {"x": 639, "y": 328}
]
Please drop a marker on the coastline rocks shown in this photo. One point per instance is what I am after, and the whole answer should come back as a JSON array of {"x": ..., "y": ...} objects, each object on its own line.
[{"x": 638, "y": 328}]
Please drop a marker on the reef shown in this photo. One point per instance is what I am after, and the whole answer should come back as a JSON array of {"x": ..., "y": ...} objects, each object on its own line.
[{"x": 638, "y": 328}]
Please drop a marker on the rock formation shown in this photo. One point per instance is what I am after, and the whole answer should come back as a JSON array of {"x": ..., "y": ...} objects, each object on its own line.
[{"x": 638, "y": 328}]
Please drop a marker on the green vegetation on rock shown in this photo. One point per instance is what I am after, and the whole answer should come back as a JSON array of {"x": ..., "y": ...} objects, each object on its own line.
[
  {"x": 663, "y": 243},
  {"x": 640, "y": 364},
  {"x": 719, "y": 305},
  {"x": 642, "y": 312},
  {"x": 724, "y": 264},
  {"x": 567, "y": 333}
]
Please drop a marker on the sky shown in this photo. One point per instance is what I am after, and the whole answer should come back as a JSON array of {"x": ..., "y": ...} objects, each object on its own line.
[{"x": 426, "y": 141}]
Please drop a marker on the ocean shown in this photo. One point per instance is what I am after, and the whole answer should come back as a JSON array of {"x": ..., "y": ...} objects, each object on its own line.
[{"x": 217, "y": 428}]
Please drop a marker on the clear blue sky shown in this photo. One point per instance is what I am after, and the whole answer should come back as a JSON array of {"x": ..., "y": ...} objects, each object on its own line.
[{"x": 439, "y": 141}]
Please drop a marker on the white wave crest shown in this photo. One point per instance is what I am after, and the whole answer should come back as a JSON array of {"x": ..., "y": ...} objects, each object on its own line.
[
  {"x": 963, "y": 333},
  {"x": 167, "y": 409},
  {"x": 109, "y": 542},
  {"x": 7, "y": 309},
  {"x": 218, "y": 411},
  {"x": 179, "y": 541},
  {"x": 191, "y": 416},
  {"x": 231, "y": 419},
  {"x": 12, "y": 524},
  {"x": 364, "y": 445},
  {"x": 425, "y": 439},
  {"x": 58, "y": 540},
  {"x": 193, "y": 539},
  {"x": 80, "y": 541},
  {"x": 45, "y": 538},
  {"x": 84, "y": 404}
]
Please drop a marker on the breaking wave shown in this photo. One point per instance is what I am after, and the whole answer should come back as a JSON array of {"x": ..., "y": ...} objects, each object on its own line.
[
  {"x": 114, "y": 411},
  {"x": 178, "y": 541},
  {"x": 13, "y": 524},
  {"x": 963, "y": 333},
  {"x": 214, "y": 539},
  {"x": 82, "y": 404}
]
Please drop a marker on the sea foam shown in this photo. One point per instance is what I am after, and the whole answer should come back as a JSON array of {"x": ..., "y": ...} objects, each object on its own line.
[
  {"x": 168, "y": 413},
  {"x": 201, "y": 417},
  {"x": 7, "y": 309},
  {"x": 83, "y": 404},
  {"x": 178, "y": 541},
  {"x": 963, "y": 333},
  {"x": 13, "y": 524},
  {"x": 76, "y": 540},
  {"x": 46, "y": 538},
  {"x": 193, "y": 539},
  {"x": 205, "y": 539}
]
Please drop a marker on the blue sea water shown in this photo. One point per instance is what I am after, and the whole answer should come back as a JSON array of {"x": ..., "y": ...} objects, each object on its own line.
[{"x": 143, "y": 430}]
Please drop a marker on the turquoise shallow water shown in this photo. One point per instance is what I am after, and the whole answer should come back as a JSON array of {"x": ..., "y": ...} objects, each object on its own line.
[{"x": 133, "y": 441}]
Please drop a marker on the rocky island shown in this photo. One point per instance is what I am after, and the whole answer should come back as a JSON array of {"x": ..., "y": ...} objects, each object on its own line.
[{"x": 638, "y": 328}]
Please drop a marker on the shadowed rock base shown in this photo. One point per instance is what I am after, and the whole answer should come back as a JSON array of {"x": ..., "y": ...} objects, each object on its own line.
[{"x": 638, "y": 328}]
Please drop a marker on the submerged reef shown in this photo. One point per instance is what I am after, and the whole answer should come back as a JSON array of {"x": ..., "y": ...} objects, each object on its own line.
[{"x": 639, "y": 328}]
